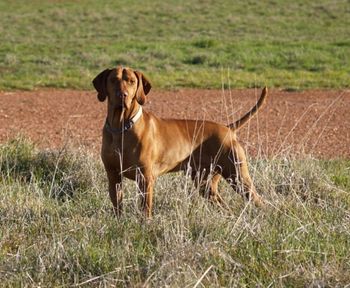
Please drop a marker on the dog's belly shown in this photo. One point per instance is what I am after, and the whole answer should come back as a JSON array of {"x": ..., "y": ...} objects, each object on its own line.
[
  {"x": 179, "y": 156},
  {"x": 194, "y": 164}
]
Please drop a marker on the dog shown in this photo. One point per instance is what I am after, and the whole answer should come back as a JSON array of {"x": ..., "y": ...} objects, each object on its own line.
[{"x": 140, "y": 146}]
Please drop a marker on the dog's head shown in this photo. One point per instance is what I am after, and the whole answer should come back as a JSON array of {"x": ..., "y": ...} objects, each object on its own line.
[{"x": 122, "y": 86}]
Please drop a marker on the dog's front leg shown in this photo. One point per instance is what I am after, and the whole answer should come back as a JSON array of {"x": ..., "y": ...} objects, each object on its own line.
[
  {"x": 115, "y": 191},
  {"x": 145, "y": 184}
]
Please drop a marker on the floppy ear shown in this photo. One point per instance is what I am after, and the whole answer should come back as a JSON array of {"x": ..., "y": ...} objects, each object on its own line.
[
  {"x": 143, "y": 88},
  {"x": 100, "y": 83}
]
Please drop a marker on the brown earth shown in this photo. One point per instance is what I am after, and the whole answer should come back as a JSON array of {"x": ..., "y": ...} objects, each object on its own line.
[{"x": 312, "y": 122}]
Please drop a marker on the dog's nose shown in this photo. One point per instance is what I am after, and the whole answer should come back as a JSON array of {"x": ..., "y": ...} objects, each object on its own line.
[{"x": 123, "y": 94}]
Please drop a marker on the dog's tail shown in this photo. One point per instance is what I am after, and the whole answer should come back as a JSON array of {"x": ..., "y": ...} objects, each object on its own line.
[{"x": 240, "y": 122}]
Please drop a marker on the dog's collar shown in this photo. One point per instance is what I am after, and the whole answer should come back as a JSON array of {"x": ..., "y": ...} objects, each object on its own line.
[{"x": 128, "y": 124}]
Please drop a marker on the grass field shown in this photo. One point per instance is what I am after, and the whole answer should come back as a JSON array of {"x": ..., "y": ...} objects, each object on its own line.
[
  {"x": 56, "y": 224},
  {"x": 205, "y": 44},
  {"x": 57, "y": 228}
]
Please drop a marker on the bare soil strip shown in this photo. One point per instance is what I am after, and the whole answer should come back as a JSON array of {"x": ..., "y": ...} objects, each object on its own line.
[{"x": 312, "y": 122}]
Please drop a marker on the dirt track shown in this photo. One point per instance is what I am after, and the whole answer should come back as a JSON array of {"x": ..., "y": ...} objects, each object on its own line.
[{"x": 315, "y": 122}]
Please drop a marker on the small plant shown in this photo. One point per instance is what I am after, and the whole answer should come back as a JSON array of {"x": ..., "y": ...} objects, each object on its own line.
[
  {"x": 16, "y": 158},
  {"x": 205, "y": 43},
  {"x": 59, "y": 173}
]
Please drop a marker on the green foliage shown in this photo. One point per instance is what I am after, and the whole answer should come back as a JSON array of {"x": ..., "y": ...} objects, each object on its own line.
[
  {"x": 16, "y": 157},
  {"x": 58, "y": 173},
  {"x": 339, "y": 171},
  {"x": 300, "y": 239},
  {"x": 294, "y": 45}
]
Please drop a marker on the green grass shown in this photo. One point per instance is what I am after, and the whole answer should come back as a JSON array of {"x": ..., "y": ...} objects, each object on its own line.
[
  {"x": 64, "y": 44},
  {"x": 65, "y": 239}
]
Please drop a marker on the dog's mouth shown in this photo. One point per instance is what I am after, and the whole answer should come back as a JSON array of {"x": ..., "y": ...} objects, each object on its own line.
[
  {"x": 121, "y": 106},
  {"x": 117, "y": 114},
  {"x": 124, "y": 102}
]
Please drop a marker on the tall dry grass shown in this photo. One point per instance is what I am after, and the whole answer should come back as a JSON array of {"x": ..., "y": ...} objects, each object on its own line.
[{"x": 57, "y": 227}]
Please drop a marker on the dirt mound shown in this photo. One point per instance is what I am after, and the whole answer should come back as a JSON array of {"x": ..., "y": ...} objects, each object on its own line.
[{"x": 313, "y": 122}]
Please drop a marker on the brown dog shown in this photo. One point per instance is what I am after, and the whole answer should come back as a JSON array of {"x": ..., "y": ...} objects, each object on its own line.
[{"x": 140, "y": 146}]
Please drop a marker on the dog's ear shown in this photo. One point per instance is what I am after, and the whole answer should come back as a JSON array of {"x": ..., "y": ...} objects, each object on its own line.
[
  {"x": 143, "y": 88},
  {"x": 100, "y": 84}
]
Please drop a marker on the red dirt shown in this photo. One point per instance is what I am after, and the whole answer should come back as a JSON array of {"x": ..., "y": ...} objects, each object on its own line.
[{"x": 313, "y": 122}]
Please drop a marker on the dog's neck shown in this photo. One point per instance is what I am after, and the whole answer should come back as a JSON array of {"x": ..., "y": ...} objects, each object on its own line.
[{"x": 121, "y": 119}]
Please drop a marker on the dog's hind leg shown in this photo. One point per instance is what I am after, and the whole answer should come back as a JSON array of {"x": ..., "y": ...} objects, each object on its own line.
[
  {"x": 208, "y": 187},
  {"x": 237, "y": 175},
  {"x": 214, "y": 194}
]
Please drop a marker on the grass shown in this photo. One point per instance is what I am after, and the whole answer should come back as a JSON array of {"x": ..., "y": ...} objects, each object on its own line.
[
  {"x": 64, "y": 44},
  {"x": 51, "y": 238},
  {"x": 56, "y": 224}
]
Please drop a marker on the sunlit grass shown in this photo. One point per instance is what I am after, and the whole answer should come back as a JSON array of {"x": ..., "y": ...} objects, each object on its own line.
[
  {"x": 299, "y": 44},
  {"x": 49, "y": 238}
]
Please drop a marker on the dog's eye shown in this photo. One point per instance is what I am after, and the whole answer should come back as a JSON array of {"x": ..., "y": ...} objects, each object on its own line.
[{"x": 131, "y": 81}]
